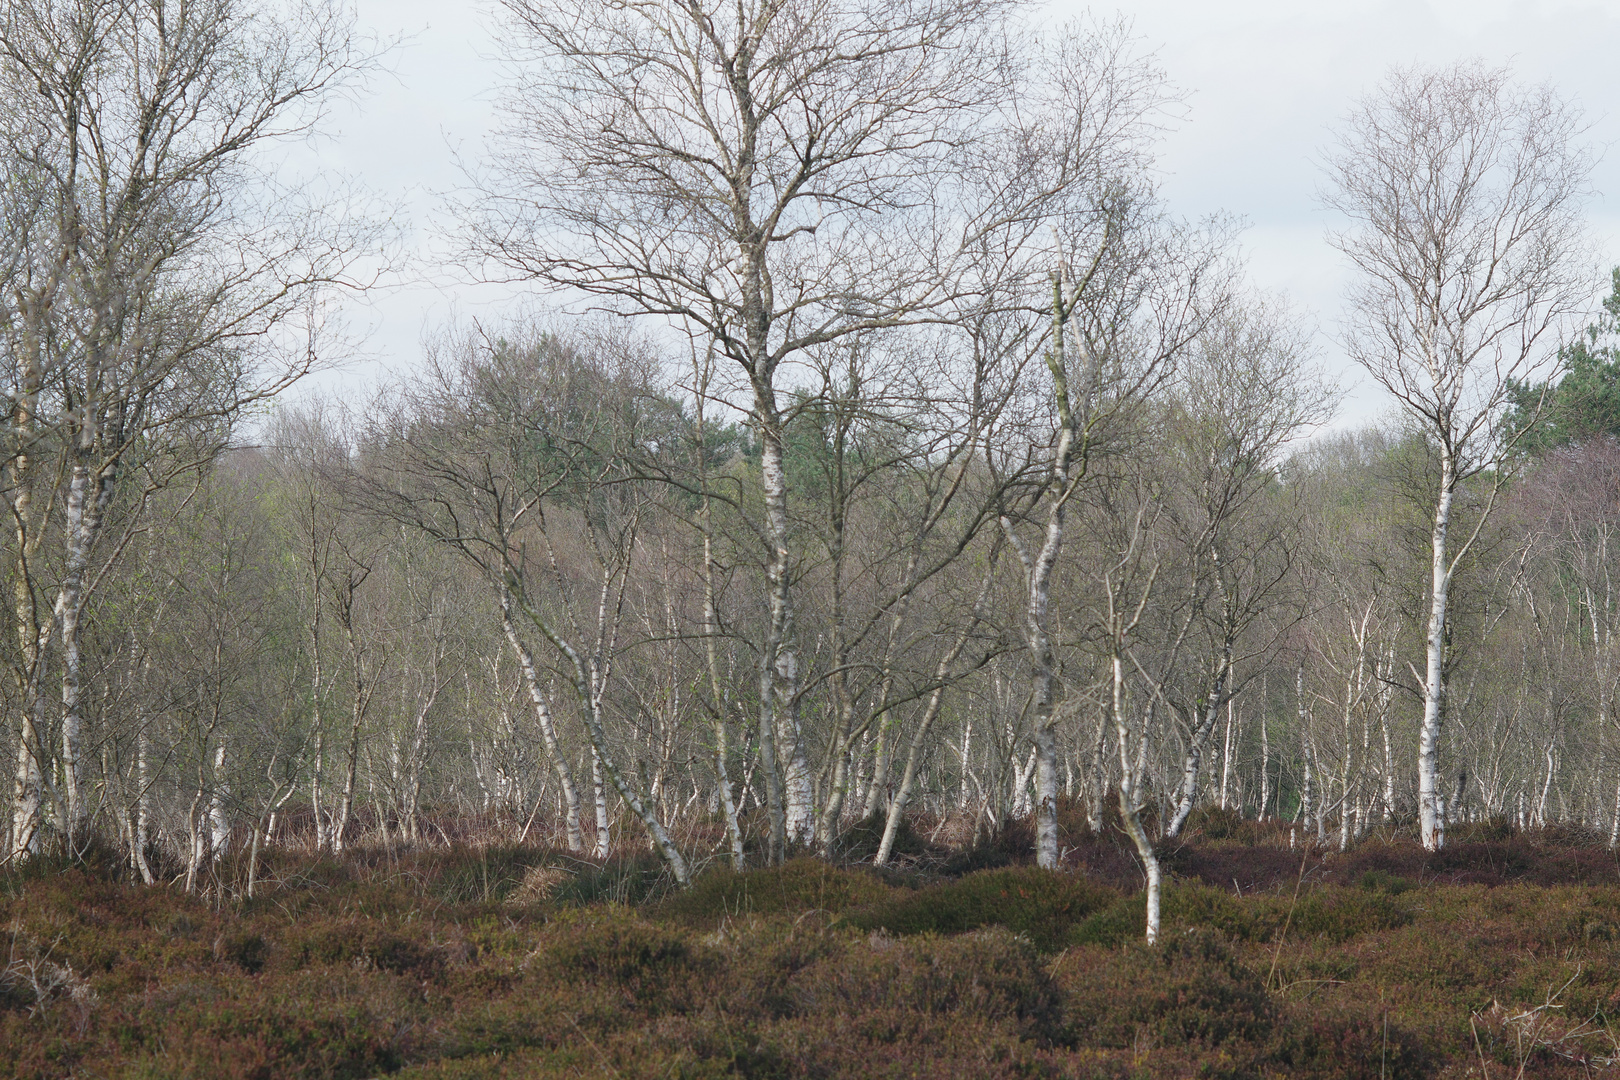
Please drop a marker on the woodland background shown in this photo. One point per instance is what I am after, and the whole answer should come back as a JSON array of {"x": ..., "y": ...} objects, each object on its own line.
[{"x": 899, "y": 454}]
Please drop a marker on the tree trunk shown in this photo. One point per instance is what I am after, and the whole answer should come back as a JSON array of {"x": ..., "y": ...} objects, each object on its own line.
[
  {"x": 27, "y": 794},
  {"x": 778, "y": 662},
  {"x": 604, "y": 839},
  {"x": 143, "y": 806},
  {"x": 1434, "y": 681},
  {"x": 219, "y": 825},
  {"x": 548, "y": 730},
  {"x": 1130, "y": 778},
  {"x": 1265, "y": 757},
  {"x": 897, "y": 808}
]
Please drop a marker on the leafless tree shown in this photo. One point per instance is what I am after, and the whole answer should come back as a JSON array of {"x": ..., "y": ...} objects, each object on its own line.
[
  {"x": 164, "y": 275},
  {"x": 775, "y": 177},
  {"x": 1464, "y": 191},
  {"x": 1243, "y": 394}
]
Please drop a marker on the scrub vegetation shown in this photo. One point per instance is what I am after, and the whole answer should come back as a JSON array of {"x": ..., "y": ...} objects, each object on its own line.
[{"x": 1501, "y": 954}]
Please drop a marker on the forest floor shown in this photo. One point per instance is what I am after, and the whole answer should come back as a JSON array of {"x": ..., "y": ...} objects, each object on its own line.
[{"x": 1498, "y": 957}]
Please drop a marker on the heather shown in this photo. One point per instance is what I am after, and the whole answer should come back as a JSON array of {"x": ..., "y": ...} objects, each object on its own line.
[{"x": 1499, "y": 953}]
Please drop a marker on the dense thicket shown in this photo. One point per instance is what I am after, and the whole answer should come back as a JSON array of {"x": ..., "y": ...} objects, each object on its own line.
[{"x": 917, "y": 461}]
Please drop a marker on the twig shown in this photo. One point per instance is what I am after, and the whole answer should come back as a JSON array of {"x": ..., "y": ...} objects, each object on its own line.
[{"x": 1276, "y": 953}]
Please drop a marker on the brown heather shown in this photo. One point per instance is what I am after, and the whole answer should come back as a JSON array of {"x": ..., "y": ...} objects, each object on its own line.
[{"x": 1500, "y": 953}]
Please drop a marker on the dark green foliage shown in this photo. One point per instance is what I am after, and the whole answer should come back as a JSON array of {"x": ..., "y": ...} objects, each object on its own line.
[
  {"x": 1384, "y": 881},
  {"x": 1584, "y": 403},
  {"x": 1043, "y": 905},
  {"x": 1181, "y": 906}
]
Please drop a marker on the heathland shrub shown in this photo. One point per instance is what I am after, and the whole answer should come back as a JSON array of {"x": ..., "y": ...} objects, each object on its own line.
[
  {"x": 1190, "y": 988},
  {"x": 991, "y": 975},
  {"x": 1346, "y": 1040},
  {"x": 796, "y": 886},
  {"x": 860, "y": 842},
  {"x": 364, "y": 967},
  {"x": 1041, "y": 904},
  {"x": 1341, "y": 914}
]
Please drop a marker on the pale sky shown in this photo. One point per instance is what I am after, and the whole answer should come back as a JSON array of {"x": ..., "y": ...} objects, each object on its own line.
[{"x": 1265, "y": 82}]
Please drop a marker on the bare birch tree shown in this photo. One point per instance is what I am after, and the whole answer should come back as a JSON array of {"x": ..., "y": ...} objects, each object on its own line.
[
  {"x": 1464, "y": 191},
  {"x": 1242, "y": 396},
  {"x": 772, "y": 178},
  {"x": 164, "y": 266}
]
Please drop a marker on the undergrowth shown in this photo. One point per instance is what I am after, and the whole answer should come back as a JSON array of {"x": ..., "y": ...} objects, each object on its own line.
[{"x": 1499, "y": 956}]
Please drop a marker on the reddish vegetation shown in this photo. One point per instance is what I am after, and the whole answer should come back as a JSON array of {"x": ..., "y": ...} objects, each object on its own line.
[{"x": 1501, "y": 954}]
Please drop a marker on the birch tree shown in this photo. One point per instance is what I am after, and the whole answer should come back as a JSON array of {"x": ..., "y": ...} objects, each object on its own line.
[
  {"x": 501, "y": 440},
  {"x": 1464, "y": 192},
  {"x": 1244, "y": 393},
  {"x": 164, "y": 267},
  {"x": 772, "y": 178}
]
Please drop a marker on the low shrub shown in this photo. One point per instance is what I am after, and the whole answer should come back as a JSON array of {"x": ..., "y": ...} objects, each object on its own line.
[
  {"x": 446, "y": 964},
  {"x": 1341, "y": 914},
  {"x": 1041, "y": 904},
  {"x": 1182, "y": 906},
  {"x": 1346, "y": 1040},
  {"x": 796, "y": 886},
  {"x": 1189, "y": 989},
  {"x": 991, "y": 976},
  {"x": 860, "y": 842}
]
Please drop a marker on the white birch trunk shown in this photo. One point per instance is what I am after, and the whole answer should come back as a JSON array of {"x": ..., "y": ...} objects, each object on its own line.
[
  {"x": 219, "y": 824},
  {"x": 143, "y": 806},
  {"x": 1130, "y": 777},
  {"x": 1226, "y": 754},
  {"x": 1434, "y": 685},
  {"x": 778, "y": 663},
  {"x": 604, "y": 839},
  {"x": 548, "y": 729},
  {"x": 27, "y": 794},
  {"x": 1307, "y": 789},
  {"x": 1265, "y": 759}
]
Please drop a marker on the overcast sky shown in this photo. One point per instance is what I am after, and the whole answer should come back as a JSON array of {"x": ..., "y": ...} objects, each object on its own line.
[{"x": 1265, "y": 81}]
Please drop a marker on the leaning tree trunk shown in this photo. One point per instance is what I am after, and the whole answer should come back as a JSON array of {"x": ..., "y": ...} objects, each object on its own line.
[
  {"x": 897, "y": 808},
  {"x": 548, "y": 728},
  {"x": 591, "y": 708}
]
